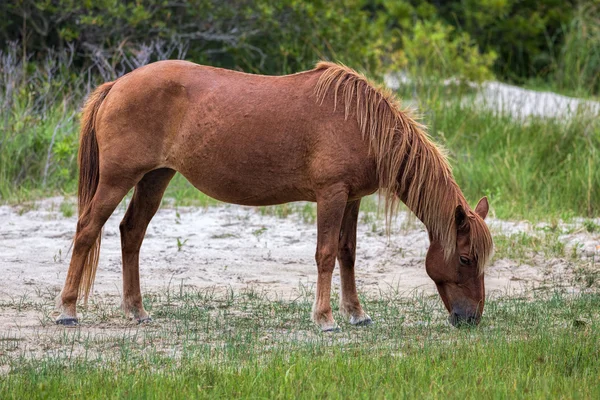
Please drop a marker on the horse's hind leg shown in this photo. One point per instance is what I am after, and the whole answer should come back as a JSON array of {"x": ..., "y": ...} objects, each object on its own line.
[
  {"x": 144, "y": 204},
  {"x": 349, "y": 303},
  {"x": 90, "y": 223}
]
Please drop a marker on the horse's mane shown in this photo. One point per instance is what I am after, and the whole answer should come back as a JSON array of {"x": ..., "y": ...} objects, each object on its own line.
[{"x": 400, "y": 143}]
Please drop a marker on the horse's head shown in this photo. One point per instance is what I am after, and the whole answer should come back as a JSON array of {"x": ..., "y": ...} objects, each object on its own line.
[{"x": 459, "y": 277}]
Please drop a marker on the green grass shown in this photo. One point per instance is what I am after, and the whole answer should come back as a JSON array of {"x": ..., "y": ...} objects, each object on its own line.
[
  {"x": 182, "y": 193},
  {"x": 495, "y": 368},
  {"x": 591, "y": 226},
  {"x": 38, "y": 153},
  {"x": 67, "y": 209},
  {"x": 252, "y": 345},
  {"x": 578, "y": 64}
]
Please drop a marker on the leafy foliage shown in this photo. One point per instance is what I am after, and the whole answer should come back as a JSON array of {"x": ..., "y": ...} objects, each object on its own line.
[
  {"x": 525, "y": 34},
  {"x": 516, "y": 39},
  {"x": 53, "y": 52},
  {"x": 255, "y": 35},
  {"x": 434, "y": 52}
]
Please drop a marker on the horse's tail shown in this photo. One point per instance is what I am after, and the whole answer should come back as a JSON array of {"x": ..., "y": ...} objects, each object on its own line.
[{"x": 89, "y": 175}]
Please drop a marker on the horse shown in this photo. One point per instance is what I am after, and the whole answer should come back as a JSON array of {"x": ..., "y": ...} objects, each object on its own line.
[{"x": 327, "y": 135}]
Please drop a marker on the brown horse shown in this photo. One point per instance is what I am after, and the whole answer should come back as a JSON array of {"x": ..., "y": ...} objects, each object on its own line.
[{"x": 326, "y": 135}]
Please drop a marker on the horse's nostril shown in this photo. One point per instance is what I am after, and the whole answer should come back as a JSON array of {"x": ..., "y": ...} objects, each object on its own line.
[{"x": 459, "y": 319}]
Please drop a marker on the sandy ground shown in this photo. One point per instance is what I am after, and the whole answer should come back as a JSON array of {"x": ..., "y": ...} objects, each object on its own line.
[
  {"x": 219, "y": 247},
  {"x": 522, "y": 103},
  {"x": 232, "y": 246}
]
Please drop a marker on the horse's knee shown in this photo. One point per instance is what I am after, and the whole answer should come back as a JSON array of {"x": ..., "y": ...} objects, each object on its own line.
[
  {"x": 125, "y": 227},
  {"x": 347, "y": 248},
  {"x": 131, "y": 236}
]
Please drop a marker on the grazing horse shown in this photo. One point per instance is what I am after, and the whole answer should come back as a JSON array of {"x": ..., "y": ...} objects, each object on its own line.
[{"x": 326, "y": 135}]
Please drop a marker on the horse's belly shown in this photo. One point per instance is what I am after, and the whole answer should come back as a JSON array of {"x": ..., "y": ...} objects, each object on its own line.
[
  {"x": 249, "y": 192},
  {"x": 248, "y": 183}
]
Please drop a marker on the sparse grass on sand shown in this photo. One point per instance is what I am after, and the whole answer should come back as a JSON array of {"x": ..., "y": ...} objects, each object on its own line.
[{"x": 254, "y": 345}]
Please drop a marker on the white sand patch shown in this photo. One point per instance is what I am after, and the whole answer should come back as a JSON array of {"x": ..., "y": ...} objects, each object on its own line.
[
  {"x": 518, "y": 102},
  {"x": 233, "y": 246}
]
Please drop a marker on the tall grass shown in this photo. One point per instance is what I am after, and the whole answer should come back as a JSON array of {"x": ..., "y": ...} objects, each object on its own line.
[
  {"x": 530, "y": 168},
  {"x": 39, "y": 113},
  {"x": 577, "y": 69},
  {"x": 38, "y": 119}
]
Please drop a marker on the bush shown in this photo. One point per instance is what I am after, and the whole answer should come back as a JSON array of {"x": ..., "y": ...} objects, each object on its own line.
[
  {"x": 254, "y": 35},
  {"x": 433, "y": 51},
  {"x": 525, "y": 34}
]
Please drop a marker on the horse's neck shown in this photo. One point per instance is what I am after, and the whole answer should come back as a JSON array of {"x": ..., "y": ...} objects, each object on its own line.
[{"x": 435, "y": 203}]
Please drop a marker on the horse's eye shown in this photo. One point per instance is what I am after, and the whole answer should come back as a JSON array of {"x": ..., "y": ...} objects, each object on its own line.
[{"x": 464, "y": 261}]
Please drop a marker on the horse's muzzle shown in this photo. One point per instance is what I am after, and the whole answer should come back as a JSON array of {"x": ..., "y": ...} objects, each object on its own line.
[{"x": 458, "y": 319}]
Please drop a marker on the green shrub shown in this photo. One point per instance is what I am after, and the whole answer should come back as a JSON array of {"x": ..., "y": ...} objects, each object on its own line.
[
  {"x": 261, "y": 36},
  {"x": 435, "y": 51},
  {"x": 525, "y": 34}
]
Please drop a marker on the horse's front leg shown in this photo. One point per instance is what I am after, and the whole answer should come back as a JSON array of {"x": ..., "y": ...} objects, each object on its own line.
[
  {"x": 330, "y": 211},
  {"x": 349, "y": 303}
]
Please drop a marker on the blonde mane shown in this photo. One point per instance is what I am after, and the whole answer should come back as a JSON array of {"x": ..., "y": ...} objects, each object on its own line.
[{"x": 409, "y": 165}]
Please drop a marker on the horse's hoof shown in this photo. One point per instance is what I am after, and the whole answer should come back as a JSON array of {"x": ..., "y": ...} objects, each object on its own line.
[
  {"x": 361, "y": 321},
  {"x": 333, "y": 329},
  {"x": 145, "y": 320},
  {"x": 67, "y": 321}
]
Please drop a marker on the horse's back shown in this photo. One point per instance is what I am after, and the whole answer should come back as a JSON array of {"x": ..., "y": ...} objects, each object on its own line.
[
  {"x": 174, "y": 98},
  {"x": 241, "y": 138}
]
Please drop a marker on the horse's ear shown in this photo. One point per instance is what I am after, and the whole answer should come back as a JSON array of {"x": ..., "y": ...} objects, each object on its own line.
[
  {"x": 482, "y": 207},
  {"x": 460, "y": 217}
]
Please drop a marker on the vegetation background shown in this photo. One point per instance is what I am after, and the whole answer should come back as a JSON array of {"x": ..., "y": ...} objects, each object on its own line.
[{"x": 53, "y": 52}]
